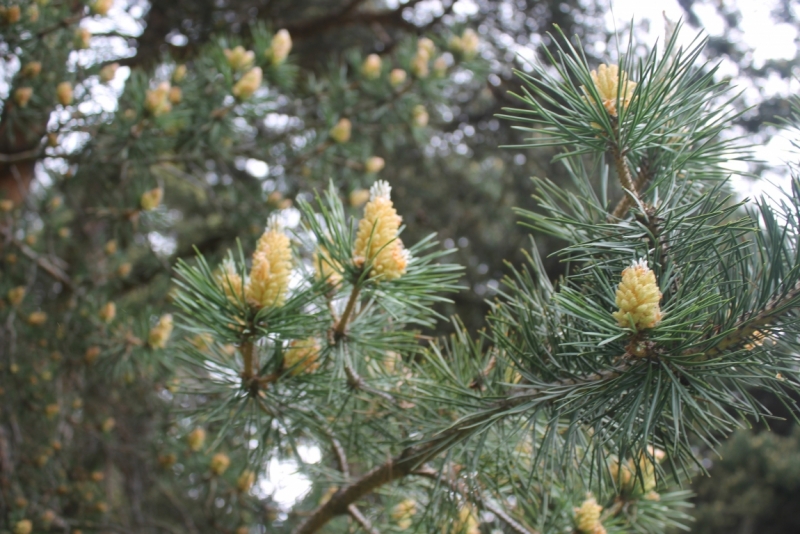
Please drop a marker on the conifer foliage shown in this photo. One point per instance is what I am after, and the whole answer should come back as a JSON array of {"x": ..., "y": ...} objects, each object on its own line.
[{"x": 575, "y": 410}]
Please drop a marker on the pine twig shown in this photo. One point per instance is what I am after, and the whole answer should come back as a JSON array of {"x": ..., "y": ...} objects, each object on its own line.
[
  {"x": 460, "y": 487},
  {"x": 750, "y": 324},
  {"x": 627, "y": 182},
  {"x": 341, "y": 325}
]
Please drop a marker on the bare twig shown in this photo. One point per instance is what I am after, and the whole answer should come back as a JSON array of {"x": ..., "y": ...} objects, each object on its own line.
[
  {"x": 44, "y": 263},
  {"x": 361, "y": 519}
]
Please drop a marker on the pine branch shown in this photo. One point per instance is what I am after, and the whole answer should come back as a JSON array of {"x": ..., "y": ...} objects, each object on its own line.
[
  {"x": 626, "y": 180},
  {"x": 342, "y": 465},
  {"x": 460, "y": 487},
  {"x": 745, "y": 328},
  {"x": 341, "y": 326},
  {"x": 44, "y": 263},
  {"x": 413, "y": 456},
  {"x": 625, "y": 203}
]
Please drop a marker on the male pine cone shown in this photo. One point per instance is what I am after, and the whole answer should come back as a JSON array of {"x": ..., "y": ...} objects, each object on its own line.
[
  {"x": 272, "y": 266},
  {"x": 638, "y": 297},
  {"x": 377, "y": 240}
]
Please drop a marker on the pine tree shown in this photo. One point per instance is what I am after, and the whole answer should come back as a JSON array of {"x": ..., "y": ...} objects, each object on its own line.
[{"x": 156, "y": 407}]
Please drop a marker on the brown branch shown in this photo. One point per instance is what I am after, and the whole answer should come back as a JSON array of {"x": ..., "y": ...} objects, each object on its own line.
[
  {"x": 341, "y": 326},
  {"x": 626, "y": 180},
  {"x": 458, "y": 486},
  {"x": 44, "y": 263},
  {"x": 248, "y": 357},
  {"x": 64, "y": 23},
  {"x": 642, "y": 179},
  {"x": 355, "y": 381},
  {"x": 413, "y": 456},
  {"x": 348, "y": 17},
  {"x": 33, "y": 153}
]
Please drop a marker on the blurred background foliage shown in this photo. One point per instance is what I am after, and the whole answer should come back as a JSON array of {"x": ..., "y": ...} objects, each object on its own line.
[{"x": 76, "y": 196}]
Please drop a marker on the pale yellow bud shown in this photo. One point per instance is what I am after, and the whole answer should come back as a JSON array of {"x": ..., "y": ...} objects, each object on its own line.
[
  {"x": 175, "y": 95},
  {"x": 403, "y": 512},
  {"x": 24, "y": 526},
  {"x": 230, "y": 281},
  {"x": 469, "y": 43},
  {"x": 83, "y": 38},
  {"x": 621, "y": 473},
  {"x": 327, "y": 268},
  {"x": 466, "y": 522},
  {"x": 156, "y": 101},
  {"x": 397, "y": 77},
  {"x": 419, "y": 65},
  {"x": 108, "y": 72},
  {"x": 64, "y": 93},
  {"x": 330, "y": 492},
  {"x": 64, "y": 233},
  {"x": 124, "y": 270},
  {"x": 440, "y": 66},
  {"x": 108, "y": 425},
  {"x": 196, "y": 439},
  {"x": 15, "y": 295},
  {"x": 239, "y": 58},
  {"x": 371, "y": 68},
  {"x": 37, "y": 318},
  {"x": 301, "y": 356},
  {"x": 341, "y": 131},
  {"x": 376, "y": 239},
  {"x": 374, "y": 164},
  {"x": 110, "y": 247},
  {"x": 427, "y": 45},
  {"x": 272, "y": 266},
  {"x": 280, "y": 47},
  {"x": 359, "y": 197},
  {"x": 248, "y": 84},
  {"x": 101, "y": 7},
  {"x": 107, "y": 312},
  {"x": 202, "y": 341},
  {"x": 151, "y": 199},
  {"x": 33, "y": 13},
  {"x": 91, "y": 354},
  {"x": 22, "y": 96},
  {"x": 12, "y": 14},
  {"x": 179, "y": 73},
  {"x": 245, "y": 481},
  {"x": 419, "y": 116},
  {"x": 587, "y": 516},
  {"x": 455, "y": 44},
  {"x": 638, "y": 298},
  {"x": 159, "y": 334},
  {"x": 610, "y": 82},
  {"x": 219, "y": 463},
  {"x": 51, "y": 410},
  {"x": 6, "y": 205},
  {"x": 32, "y": 69}
]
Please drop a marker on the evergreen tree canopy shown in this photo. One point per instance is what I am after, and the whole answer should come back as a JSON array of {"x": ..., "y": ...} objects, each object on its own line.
[{"x": 161, "y": 347}]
